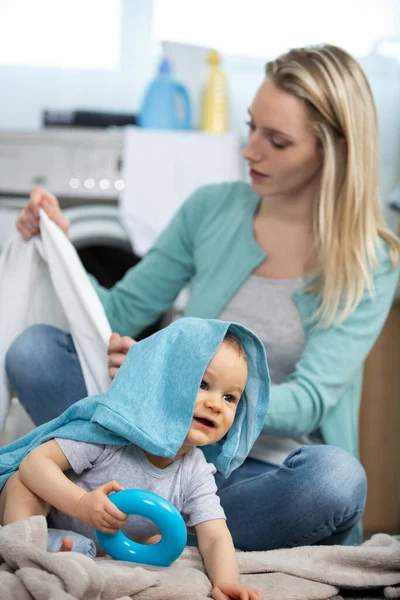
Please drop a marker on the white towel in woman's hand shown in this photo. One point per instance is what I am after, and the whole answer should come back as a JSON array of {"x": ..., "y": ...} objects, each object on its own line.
[{"x": 43, "y": 281}]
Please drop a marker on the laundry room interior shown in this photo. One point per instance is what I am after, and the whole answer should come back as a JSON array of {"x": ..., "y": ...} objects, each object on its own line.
[{"x": 123, "y": 109}]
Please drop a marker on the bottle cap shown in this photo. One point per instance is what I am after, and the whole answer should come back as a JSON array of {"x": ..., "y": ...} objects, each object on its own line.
[
  {"x": 165, "y": 67},
  {"x": 213, "y": 57}
]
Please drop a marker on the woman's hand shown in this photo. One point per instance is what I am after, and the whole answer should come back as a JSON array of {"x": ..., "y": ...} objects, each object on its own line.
[
  {"x": 117, "y": 350},
  {"x": 28, "y": 221},
  {"x": 97, "y": 510},
  {"x": 227, "y": 591}
]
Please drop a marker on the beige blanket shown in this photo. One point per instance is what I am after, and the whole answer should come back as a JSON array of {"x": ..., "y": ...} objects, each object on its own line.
[{"x": 28, "y": 571}]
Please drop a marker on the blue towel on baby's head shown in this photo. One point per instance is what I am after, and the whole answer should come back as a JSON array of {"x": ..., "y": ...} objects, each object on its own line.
[{"x": 150, "y": 402}]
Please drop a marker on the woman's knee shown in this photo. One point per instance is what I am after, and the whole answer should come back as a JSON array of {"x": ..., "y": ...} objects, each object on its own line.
[
  {"x": 339, "y": 477},
  {"x": 31, "y": 352},
  {"x": 43, "y": 367}
]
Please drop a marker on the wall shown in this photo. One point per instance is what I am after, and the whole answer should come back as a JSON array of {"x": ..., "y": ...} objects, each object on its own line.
[{"x": 25, "y": 91}]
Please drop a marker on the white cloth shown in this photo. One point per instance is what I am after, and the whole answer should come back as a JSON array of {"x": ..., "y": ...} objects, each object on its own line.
[
  {"x": 162, "y": 168},
  {"x": 43, "y": 281}
]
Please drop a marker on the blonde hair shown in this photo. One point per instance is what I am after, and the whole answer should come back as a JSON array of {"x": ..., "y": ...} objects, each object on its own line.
[{"x": 348, "y": 222}]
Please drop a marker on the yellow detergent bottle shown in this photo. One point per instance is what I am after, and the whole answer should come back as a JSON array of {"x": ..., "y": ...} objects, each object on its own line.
[{"x": 215, "y": 101}]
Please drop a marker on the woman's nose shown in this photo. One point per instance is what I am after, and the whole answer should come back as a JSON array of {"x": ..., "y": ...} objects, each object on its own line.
[{"x": 252, "y": 152}]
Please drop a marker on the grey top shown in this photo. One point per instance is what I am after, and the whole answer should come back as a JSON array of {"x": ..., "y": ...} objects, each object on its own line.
[
  {"x": 187, "y": 483},
  {"x": 266, "y": 306}
]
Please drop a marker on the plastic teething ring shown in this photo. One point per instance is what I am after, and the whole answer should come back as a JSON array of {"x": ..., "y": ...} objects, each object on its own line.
[{"x": 162, "y": 513}]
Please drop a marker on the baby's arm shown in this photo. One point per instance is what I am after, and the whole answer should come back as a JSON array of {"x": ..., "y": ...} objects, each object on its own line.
[
  {"x": 42, "y": 471},
  {"x": 219, "y": 556},
  {"x": 17, "y": 502}
]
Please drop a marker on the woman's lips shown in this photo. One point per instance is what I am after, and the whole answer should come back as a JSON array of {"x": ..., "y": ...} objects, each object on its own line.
[{"x": 257, "y": 176}]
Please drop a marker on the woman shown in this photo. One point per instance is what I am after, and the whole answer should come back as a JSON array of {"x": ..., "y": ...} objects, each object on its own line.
[{"x": 302, "y": 257}]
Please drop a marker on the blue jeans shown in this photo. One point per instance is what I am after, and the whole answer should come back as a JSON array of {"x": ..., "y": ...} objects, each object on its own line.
[
  {"x": 316, "y": 497},
  {"x": 80, "y": 543}
]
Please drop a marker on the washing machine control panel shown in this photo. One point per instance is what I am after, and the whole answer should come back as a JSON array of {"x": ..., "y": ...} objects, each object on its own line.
[{"x": 83, "y": 163}]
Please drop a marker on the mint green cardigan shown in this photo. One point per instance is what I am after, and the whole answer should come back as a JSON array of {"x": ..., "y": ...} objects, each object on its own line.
[{"x": 210, "y": 244}]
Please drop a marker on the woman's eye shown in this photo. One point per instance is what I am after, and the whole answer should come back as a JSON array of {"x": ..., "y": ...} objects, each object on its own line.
[
  {"x": 203, "y": 385},
  {"x": 250, "y": 125},
  {"x": 278, "y": 146}
]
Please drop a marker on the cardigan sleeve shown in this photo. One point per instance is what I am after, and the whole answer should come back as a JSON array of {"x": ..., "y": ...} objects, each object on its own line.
[
  {"x": 149, "y": 288},
  {"x": 329, "y": 361}
]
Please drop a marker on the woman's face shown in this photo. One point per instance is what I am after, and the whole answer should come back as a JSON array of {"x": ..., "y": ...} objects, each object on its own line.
[{"x": 282, "y": 149}]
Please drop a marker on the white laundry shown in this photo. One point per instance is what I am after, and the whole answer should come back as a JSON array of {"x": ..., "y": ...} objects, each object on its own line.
[
  {"x": 162, "y": 168},
  {"x": 43, "y": 281}
]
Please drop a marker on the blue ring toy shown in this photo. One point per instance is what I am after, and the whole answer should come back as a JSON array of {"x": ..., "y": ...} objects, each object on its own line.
[{"x": 162, "y": 513}]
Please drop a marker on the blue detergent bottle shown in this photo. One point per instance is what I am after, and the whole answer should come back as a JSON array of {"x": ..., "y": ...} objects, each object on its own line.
[{"x": 166, "y": 104}]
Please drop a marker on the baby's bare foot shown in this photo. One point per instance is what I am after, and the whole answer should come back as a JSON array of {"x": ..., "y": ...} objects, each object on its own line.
[
  {"x": 66, "y": 545},
  {"x": 154, "y": 539}
]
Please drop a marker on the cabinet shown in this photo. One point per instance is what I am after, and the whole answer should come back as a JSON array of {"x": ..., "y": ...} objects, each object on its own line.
[{"x": 380, "y": 429}]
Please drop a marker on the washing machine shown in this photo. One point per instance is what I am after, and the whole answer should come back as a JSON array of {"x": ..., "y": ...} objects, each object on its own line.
[{"x": 82, "y": 167}]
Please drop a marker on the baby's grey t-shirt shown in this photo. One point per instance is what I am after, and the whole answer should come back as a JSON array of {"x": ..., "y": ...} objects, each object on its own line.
[{"x": 187, "y": 483}]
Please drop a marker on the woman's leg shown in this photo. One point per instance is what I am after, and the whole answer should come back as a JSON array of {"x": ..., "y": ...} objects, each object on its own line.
[
  {"x": 316, "y": 497},
  {"x": 43, "y": 367}
]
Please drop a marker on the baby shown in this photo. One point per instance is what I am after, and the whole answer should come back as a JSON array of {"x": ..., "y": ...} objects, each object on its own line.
[{"x": 68, "y": 480}]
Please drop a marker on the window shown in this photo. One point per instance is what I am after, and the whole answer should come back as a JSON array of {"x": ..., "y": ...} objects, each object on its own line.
[
  {"x": 75, "y": 34},
  {"x": 262, "y": 28}
]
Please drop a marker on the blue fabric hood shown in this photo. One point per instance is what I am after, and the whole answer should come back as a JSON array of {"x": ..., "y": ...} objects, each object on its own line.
[{"x": 151, "y": 400}]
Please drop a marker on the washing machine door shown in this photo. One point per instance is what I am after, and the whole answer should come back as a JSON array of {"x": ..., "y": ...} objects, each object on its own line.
[{"x": 101, "y": 241}]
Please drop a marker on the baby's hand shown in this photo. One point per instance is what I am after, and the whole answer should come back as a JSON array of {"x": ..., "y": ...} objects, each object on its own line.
[
  {"x": 227, "y": 591},
  {"x": 97, "y": 510}
]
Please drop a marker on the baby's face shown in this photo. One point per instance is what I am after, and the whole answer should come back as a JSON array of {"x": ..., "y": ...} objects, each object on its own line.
[{"x": 220, "y": 390}]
